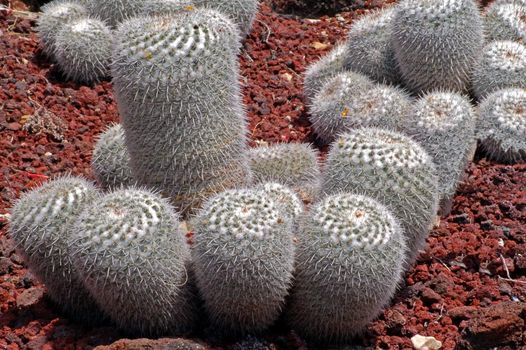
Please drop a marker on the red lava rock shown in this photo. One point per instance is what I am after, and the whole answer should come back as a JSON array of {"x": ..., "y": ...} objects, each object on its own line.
[
  {"x": 501, "y": 324},
  {"x": 29, "y": 297},
  {"x": 149, "y": 344}
]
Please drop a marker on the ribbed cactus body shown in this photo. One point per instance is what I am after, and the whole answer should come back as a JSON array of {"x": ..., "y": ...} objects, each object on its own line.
[
  {"x": 243, "y": 258},
  {"x": 501, "y": 127},
  {"x": 349, "y": 263},
  {"x": 166, "y": 7},
  {"x": 369, "y": 47},
  {"x": 41, "y": 225},
  {"x": 177, "y": 89},
  {"x": 444, "y": 125},
  {"x": 115, "y": 11},
  {"x": 505, "y": 22},
  {"x": 55, "y": 15},
  {"x": 437, "y": 43},
  {"x": 391, "y": 168},
  {"x": 111, "y": 160},
  {"x": 241, "y": 12},
  {"x": 83, "y": 50},
  {"x": 291, "y": 164},
  {"x": 134, "y": 260},
  {"x": 323, "y": 70},
  {"x": 348, "y": 102},
  {"x": 503, "y": 65}
]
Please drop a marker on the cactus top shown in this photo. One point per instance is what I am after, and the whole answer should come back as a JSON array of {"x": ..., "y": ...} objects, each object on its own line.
[
  {"x": 379, "y": 19},
  {"x": 243, "y": 214},
  {"x": 441, "y": 111},
  {"x": 284, "y": 196},
  {"x": 512, "y": 14},
  {"x": 355, "y": 221},
  {"x": 434, "y": 12},
  {"x": 380, "y": 149},
  {"x": 505, "y": 55},
  {"x": 507, "y": 110},
  {"x": 63, "y": 9}
]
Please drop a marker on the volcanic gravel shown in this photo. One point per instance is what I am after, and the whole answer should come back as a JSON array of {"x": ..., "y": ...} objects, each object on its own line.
[{"x": 466, "y": 290}]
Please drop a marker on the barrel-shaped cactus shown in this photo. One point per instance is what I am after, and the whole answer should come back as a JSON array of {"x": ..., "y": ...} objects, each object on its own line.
[
  {"x": 350, "y": 259},
  {"x": 115, "y": 11},
  {"x": 284, "y": 197},
  {"x": 241, "y": 12},
  {"x": 503, "y": 65},
  {"x": 369, "y": 47},
  {"x": 111, "y": 161},
  {"x": 134, "y": 261},
  {"x": 391, "y": 168},
  {"x": 55, "y": 15},
  {"x": 177, "y": 89},
  {"x": 166, "y": 7},
  {"x": 444, "y": 125},
  {"x": 83, "y": 50},
  {"x": 505, "y": 22},
  {"x": 437, "y": 43},
  {"x": 42, "y": 223},
  {"x": 243, "y": 258},
  {"x": 501, "y": 127},
  {"x": 348, "y": 102}
]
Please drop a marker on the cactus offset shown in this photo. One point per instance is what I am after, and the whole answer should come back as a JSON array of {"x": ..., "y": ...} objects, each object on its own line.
[
  {"x": 349, "y": 263},
  {"x": 391, "y": 168},
  {"x": 134, "y": 261},
  {"x": 243, "y": 258}
]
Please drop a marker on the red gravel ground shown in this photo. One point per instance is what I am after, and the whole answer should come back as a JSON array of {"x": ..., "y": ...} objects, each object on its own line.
[{"x": 467, "y": 290}]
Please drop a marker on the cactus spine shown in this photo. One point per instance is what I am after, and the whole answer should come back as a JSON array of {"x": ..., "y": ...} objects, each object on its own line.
[
  {"x": 437, "y": 43},
  {"x": 503, "y": 65},
  {"x": 166, "y": 7},
  {"x": 241, "y": 12},
  {"x": 111, "y": 161},
  {"x": 243, "y": 257},
  {"x": 83, "y": 50},
  {"x": 133, "y": 259},
  {"x": 41, "y": 225},
  {"x": 177, "y": 89},
  {"x": 391, "y": 168},
  {"x": 349, "y": 262},
  {"x": 284, "y": 197},
  {"x": 115, "y": 11},
  {"x": 501, "y": 126},
  {"x": 505, "y": 22},
  {"x": 444, "y": 125}
]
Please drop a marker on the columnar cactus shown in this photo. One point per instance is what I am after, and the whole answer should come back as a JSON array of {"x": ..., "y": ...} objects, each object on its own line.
[
  {"x": 291, "y": 164},
  {"x": 323, "y": 70},
  {"x": 166, "y": 7},
  {"x": 111, "y": 161},
  {"x": 284, "y": 197},
  {"x": 348, "y": 102},
  {"x": 243, "y": 257},
  {"x": 115, "y": 11},
  {"x": 133, "y": 258},
  {"x": 350, "y": 261},
  {"x": 505, "y": 22},
  {"x": 503, "y": 65},
  {"x": 501, "y": 126},
  {"x": 241, "y": 12},
  {"x": 177, "y": 89},
  {"x": 370, "y": 50},
  {"x": 83, "y": 50},
  {"x": 41, "y": 225},
  {"x": 444, "y": 125},
  {"x": 391, "y": 168},
  {"x": 437, "y": 43},
  {"x": 54, "y": 16}
]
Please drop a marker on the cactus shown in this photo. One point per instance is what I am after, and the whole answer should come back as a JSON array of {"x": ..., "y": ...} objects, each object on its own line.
[
  {"x": 41, "y": 224},
  {"x": 391, "y": 168},
  {"x": 503, "y": 65},
  {"x": 54, "y": 16},
  {"x": 369, "y": 48},
  {"x": 505, "y": 22},
  {"x": 291, "y": 164},
  {"x": 115, "y": 11},
  {"x": 111, "y": 161},
  {"x": 241, "y": 12},
  {"x": 444, "y": 125},
  {"x": 177, "y": 90},
  {"x": 349, "y": 263},
  {"x": 501, "y": 126},
  {"x": 133, "y": 258},
  {"x": 323, "y": 70},
  {"x": 349, "y": 101},
  {"x": 243, "y": 258},
  {"x": 164, "y": 7},
  {"x": 437, "y": 43},
  {"x": 83, "y": 50},
  {"x": 284, "y": 197}
]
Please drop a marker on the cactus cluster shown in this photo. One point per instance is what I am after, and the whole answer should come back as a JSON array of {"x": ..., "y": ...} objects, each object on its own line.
[{"x": 505, "y": 22}]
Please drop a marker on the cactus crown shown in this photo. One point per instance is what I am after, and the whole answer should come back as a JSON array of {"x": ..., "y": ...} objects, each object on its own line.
[
  {"x": 505, "y": 55},
  {"x": 285, "y": 197},
  {"x": 243, "y": 214},
  {"x": 378, "y": 19},
  {"x": 434, "y": 13},
  {"x": 440, "y": 111},
  {"x": 506, "y": 22},
  {"x": 354, "y": 221}
]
